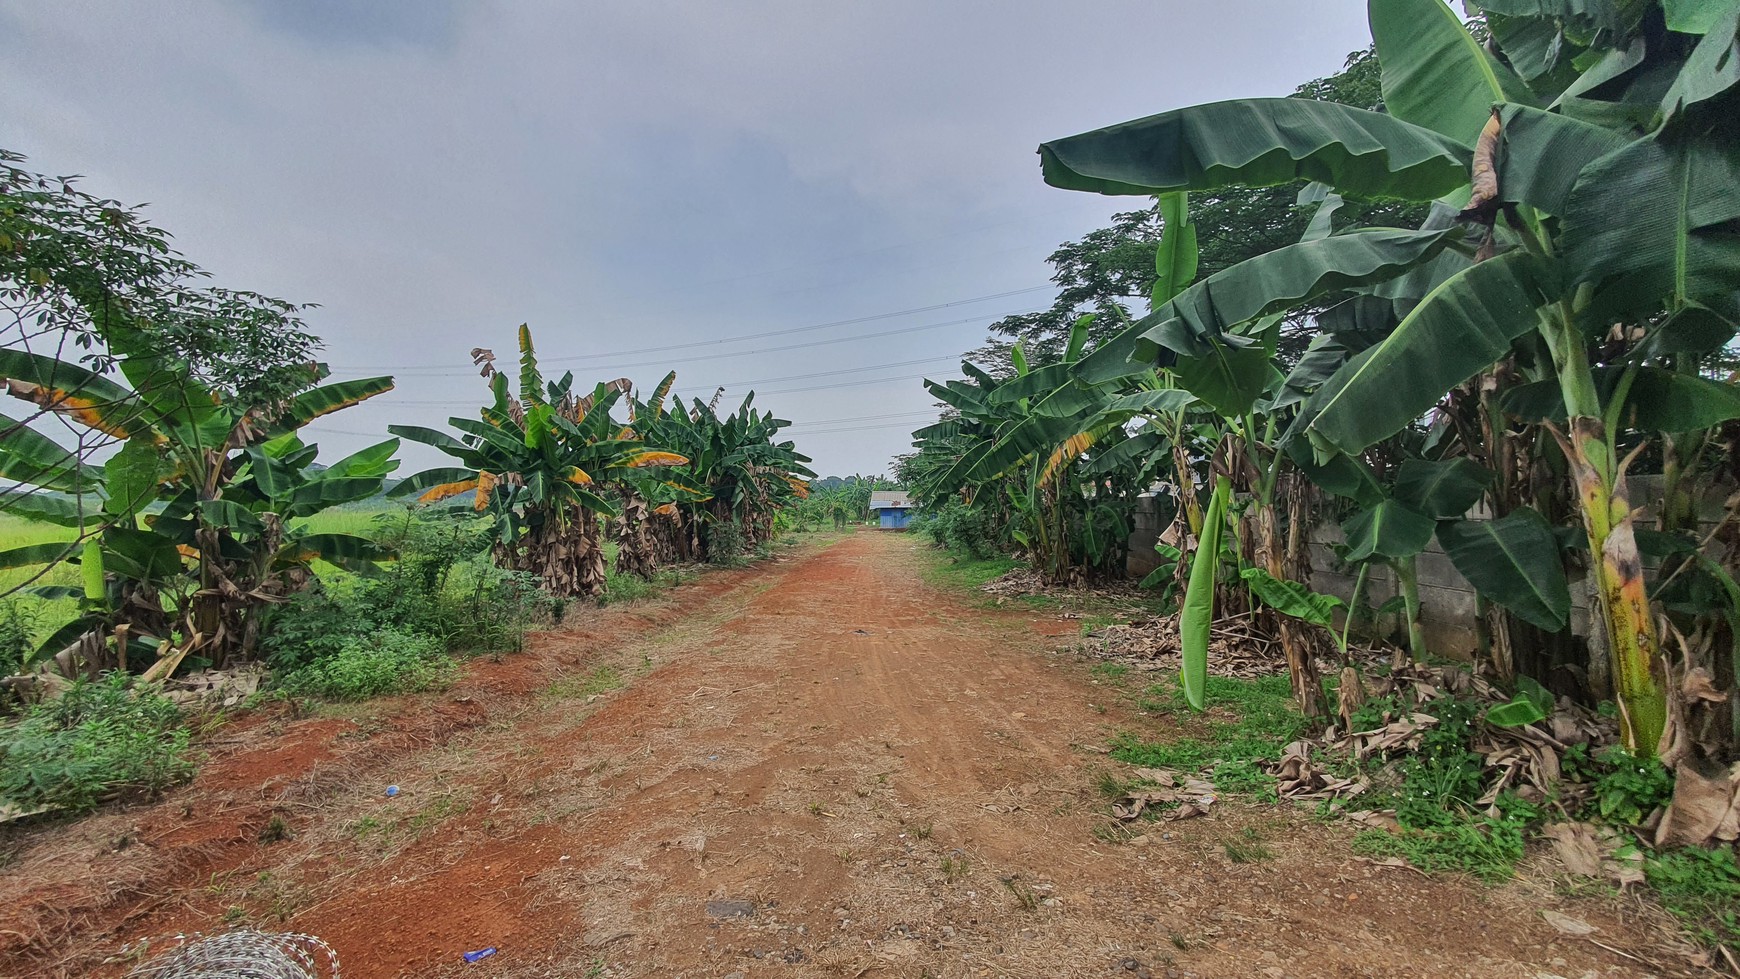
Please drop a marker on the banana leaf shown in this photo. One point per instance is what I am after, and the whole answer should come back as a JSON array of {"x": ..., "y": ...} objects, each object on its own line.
[
  {"x": 1435, "y": 74},
  {"x": 1460, "y": 329},
  {"x": 1513, "y": 561},
  {"x": 1260, "y": 143},
  {"x": 1196, "y": 620}
]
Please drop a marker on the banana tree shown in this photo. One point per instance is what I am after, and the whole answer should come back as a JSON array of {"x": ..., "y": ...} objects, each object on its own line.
[
  {"x": 1599, "y": 185},
  {"x": 541, "y": 462},
  {"x": 224, "y": 484}
]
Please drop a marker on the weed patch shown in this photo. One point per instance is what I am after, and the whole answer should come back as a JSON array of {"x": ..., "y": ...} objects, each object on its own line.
[
  {"x": 1245, "y": 722},
  {"x": 389, "y": 662},
  {"x": 100, "y": 739}
]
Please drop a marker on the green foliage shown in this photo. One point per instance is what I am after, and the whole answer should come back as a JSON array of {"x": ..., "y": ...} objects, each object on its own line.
[
  {"x": 387, "y": 661},
  {"x": 960, "y": 528},
  {"x": 1629, "y": 788},
  {"x": 442, "y": 594},
  {"x": 100, "y": 739},
  {"x": 1701, "y": 888},
  {"x": 725, "y": 543},
  {"x": 18, "y": 623},
  {"x": 1485, "y": 848}
]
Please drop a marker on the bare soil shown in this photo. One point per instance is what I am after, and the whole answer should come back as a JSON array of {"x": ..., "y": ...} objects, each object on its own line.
[{"x": 820, "y": 766}]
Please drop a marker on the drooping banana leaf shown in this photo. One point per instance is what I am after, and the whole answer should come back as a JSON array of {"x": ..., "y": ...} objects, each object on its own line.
[
  {"x": 1544, "y": 152},
  {"x": 1653, "y": 226},
  {"x": 1291, "y": 598},
  {"x": 1282, "y": 279},
  {"x": 1387, "y": 530},
  {"x": 1513, "y": 561},
  {"x": 328, "y": 398},
  {"x": 1460, "y": 329},
  {"x": 29, "y": 457},
  {"x": 1659, "y": 400},
  {"x": 1441, "y": 490},
  {"x": 1175, "y": 258},
  {"x": 1260, "y": 143},
  {"x": 1196, "y": 619}
]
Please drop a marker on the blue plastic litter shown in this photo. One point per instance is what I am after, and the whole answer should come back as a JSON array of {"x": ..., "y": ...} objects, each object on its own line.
[
  {"x": 392, "y": 790},
  {"x": 480, "y": 954}
]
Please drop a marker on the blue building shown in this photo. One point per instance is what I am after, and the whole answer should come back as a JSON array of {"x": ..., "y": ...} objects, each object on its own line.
[{"x": 893, "y": 508}]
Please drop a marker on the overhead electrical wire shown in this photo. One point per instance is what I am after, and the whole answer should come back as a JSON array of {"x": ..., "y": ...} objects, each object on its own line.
[{"x": 445, "y": 369}]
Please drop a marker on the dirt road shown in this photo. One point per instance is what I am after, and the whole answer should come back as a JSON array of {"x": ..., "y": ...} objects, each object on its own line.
[{"x": 818, "y": 767}]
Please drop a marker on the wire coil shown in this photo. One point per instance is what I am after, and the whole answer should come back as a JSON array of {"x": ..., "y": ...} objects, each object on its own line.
[{"x": 244, "y": 954}]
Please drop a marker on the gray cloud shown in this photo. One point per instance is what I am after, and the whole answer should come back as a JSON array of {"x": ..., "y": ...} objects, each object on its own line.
[{"x": 625, "y": 176}]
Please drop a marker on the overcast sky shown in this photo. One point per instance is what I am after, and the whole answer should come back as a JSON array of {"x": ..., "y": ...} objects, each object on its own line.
[{"x": 630, "y": 176}]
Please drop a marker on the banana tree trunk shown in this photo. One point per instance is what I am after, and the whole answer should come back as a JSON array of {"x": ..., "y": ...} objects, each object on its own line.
[
  {"x": 1296, "y": 643},
  {"x": 635, "y": 553},
  {"x": 565, "y": 555},
  {"x": 1618, "y": 570},
  {"x": 1407, "y": 574}
]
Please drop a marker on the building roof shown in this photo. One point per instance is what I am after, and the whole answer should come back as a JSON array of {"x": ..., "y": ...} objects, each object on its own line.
[{"x": 890, "y": 500}]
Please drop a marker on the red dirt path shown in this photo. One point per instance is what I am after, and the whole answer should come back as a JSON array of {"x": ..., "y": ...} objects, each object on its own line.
[{"x": 898, "y": 782}]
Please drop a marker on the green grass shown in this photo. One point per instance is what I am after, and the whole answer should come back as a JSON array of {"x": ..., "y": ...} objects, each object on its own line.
[
  {"x": 956, "y": 571},
  {"x": 1244, "y": 723},
  {"x": 1702, "y": 889}
]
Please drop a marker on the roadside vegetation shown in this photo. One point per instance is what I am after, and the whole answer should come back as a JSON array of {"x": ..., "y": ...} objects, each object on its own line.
[
  {"x": 167, "y": 522},
  {"x": 1468, "y": 290}
]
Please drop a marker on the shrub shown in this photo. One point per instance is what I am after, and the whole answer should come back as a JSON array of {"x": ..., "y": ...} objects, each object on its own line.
[
  {"x": 17, "y": 635},
  {"x": 442, "y": 589},
  {"x": 963, "y": 529},
  {"x": 387, "y": 662},
  {"x": 725, "y": 542},
  {"x": 99, "y": 739}
]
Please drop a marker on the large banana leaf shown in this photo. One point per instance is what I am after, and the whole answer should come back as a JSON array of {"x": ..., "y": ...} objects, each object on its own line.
[
  {"x": 345, "y": 550},
  {"x": 1513, "y": 561},
  {"x": 1434, "y": 73},
  {"x": 31, "y": 555},
  {"x": 70, "y": 391},
  {"x": 1175, "y": 258},
  {"x": 1259, "y": 143},
  {"x": 1460, "y": 329},
  {"x": 1543, "y": 154},
  {"x": 51, "y": 508},
  {"x": 328, "y": 398},
  {"x": 1712, "y": 69},
  {"x": 431, "y": 479},
  {"x": 1388, "y": 530},
  {"x": 1653, "y": 226},
  {"x": 374, "y": 461},
  {"x": 1441, "y": 490},
  {"x": 1292, "y": 598},
  {"x": 1281, "y": 279},
  {"x": 1617, "y": 17},
  {"x": 1659, "y": 400}
]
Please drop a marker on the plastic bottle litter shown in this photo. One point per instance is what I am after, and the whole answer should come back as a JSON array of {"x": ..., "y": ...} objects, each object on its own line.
[
  {"x": 392, "y": 790},
  {"x": 480, "y": 954}
]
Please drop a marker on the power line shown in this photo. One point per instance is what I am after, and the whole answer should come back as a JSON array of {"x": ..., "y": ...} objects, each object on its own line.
[
  {"x": 734, "y": 384},
  {"x": 721, "y": 340}
]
